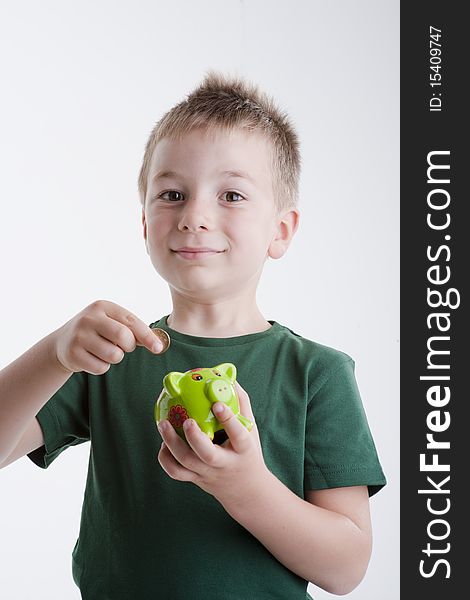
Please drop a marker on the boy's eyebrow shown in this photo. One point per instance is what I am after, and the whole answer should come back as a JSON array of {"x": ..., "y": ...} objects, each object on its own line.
[
  {"x": 164, "y": 174},
  {"x": 239, "y": 174},
  {"x": 169, "y": 174}
]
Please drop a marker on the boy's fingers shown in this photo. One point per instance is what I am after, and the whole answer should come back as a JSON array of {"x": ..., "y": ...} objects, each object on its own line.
[
  {"x": 171, "y": 466},
  {"x": 182, "y": 452},
  {"x": 200, "y": 443},
  {"x": 143, "y": 334},
  {"x": 237, "y": 433}
]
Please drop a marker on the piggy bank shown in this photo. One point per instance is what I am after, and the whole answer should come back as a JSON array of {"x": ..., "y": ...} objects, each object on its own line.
[{"x": 192, "y": 394}]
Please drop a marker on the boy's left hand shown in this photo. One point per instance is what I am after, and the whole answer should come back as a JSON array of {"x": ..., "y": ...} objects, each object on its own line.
[{"x": 231, "y": 472}]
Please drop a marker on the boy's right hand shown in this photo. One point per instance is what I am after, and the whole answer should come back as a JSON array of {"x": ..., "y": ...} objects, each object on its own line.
[{"x": 98, "y": 337}]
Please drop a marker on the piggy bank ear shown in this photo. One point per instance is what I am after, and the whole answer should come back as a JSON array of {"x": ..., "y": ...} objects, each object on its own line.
[
  {"x": 228, "y": 369},
  {"x": 172, "y": 383}
]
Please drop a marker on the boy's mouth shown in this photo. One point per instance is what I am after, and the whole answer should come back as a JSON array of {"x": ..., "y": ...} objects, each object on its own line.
[{"x": 192, "y": 253}]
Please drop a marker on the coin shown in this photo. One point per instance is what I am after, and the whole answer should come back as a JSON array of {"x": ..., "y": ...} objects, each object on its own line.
[{"x": 163, "y": 336}]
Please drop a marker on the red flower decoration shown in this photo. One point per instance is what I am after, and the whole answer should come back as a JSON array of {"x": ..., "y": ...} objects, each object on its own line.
[{"x": 177, "y": 415}]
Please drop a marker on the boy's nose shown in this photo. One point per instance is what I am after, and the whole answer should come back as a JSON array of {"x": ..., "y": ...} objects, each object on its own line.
[{"x": 195, "y": 216}]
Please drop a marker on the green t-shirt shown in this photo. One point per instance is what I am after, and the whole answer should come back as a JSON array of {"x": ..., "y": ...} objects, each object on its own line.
[{"x": 145, "y": 536}]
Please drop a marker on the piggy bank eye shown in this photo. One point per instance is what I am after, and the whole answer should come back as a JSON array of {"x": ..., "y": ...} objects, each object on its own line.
[
  {"x": 217, "y": 373},
  {"x": 196, "y": 377}
]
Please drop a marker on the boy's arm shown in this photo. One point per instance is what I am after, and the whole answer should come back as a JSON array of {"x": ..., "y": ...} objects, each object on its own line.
[
  {"x": 25, "y": 386},
  {"x": 95, "y": 338},
  {"x": 32, "y": 438},
  {"x": 326, "y": 539}
]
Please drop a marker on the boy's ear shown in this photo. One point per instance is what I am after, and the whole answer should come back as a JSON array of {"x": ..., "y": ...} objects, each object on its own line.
[
  {"x": 144, "y": 225},
  {"x": 286, "y": 227}
]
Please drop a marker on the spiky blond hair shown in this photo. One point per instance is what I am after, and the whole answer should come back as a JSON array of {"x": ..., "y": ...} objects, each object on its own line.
[{"x": 228, "y": 103}]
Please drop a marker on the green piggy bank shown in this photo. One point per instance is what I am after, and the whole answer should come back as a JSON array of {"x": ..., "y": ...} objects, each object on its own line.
[{"x": 190, "y": 395}]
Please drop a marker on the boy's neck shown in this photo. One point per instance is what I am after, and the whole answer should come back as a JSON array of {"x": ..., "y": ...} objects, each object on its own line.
[{"x": 207, "y": 321}]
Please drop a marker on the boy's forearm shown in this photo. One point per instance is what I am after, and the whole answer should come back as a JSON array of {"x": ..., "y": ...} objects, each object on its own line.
[
  {"x": 26, "y": 385},
  {"x": 322, "y": 546}
]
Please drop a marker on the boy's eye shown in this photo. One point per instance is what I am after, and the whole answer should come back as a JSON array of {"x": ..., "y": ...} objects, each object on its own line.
[
  {"x": 171, "y": 195},
  {"x": 170, "y": 192},
  {"x": 234, "y": 194}
]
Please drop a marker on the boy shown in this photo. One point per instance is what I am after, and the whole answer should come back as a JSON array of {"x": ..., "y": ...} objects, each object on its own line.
[{"x": 266, "y": 511}]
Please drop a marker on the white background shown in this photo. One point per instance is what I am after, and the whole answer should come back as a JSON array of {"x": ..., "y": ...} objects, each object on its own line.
[{"x": 83, "y": 83}]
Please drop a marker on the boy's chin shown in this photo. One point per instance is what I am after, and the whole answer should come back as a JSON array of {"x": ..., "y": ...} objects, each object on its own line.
[{"x": 207, "y": 291}]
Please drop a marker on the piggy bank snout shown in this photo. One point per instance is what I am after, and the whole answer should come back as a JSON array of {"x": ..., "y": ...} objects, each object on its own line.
[{"x": 221, "y": 390}]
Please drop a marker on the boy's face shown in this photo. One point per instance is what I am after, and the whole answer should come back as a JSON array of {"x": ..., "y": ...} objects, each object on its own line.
[{"x": 200, "y": 205}]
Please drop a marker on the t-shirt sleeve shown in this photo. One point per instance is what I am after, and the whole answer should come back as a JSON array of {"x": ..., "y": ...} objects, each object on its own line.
[
  {"x": 339, "y": 448},
  {"x": 64, "y": 420}
]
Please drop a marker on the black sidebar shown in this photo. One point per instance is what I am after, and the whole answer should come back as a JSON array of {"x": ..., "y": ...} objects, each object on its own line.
[{"x": 435, "y": 257}]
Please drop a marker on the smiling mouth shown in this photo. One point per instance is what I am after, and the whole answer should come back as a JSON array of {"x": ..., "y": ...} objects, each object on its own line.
[{"x": 194, "y": 254}]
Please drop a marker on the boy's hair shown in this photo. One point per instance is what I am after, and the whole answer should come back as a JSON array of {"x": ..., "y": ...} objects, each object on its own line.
[{"x": 229, "y": 103}]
